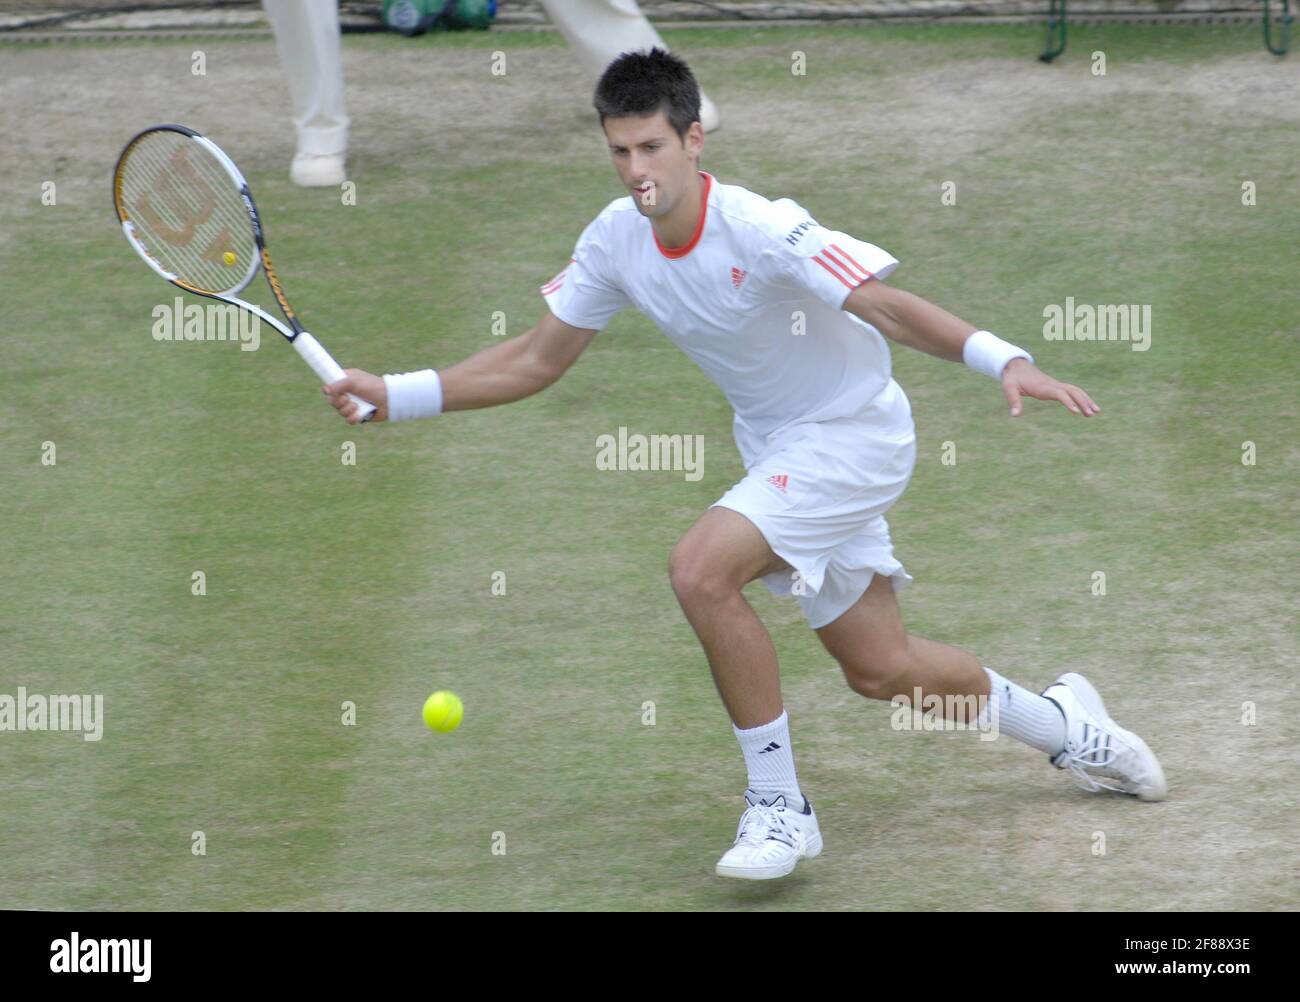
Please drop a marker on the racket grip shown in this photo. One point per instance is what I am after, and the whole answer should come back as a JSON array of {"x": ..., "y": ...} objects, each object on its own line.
[{"x": 323, "y": 364}]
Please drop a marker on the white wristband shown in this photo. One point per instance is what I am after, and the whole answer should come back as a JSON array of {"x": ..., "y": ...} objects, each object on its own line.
[
  {"x": 413, "y": 395},
  {"x": 987, "y": 353}
]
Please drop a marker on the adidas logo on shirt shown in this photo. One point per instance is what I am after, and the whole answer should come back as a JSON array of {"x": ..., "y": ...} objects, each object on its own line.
[
  {"x": 737, "y": 276},
  {"x": 779, "y": 481}
]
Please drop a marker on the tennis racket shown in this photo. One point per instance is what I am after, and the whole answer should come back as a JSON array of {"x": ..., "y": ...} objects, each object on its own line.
[{"x": 186, "y": 209}]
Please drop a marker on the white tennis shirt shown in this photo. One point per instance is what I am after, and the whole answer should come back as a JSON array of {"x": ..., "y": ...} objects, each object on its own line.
[{"x": 754, "y": 299}]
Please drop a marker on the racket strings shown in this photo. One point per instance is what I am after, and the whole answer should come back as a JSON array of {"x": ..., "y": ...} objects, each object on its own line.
[{"x": 187, "y": 212}]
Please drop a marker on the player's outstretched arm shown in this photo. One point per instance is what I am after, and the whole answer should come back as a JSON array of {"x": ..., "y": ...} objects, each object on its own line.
[
  {"x": 912, "y": 321},
  {"x": 501, "y": 374}
]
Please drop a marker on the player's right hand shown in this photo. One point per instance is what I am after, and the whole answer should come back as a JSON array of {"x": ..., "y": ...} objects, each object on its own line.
[{"x": 365, "y": 385}]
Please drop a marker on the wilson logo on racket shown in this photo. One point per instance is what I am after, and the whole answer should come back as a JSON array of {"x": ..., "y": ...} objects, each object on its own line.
[{"x": 188, "y": 212}]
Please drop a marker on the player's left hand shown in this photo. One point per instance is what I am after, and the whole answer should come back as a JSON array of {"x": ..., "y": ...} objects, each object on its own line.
[{"x": 1022, "y": 378}]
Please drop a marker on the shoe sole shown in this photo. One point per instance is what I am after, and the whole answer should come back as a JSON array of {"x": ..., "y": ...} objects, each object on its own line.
[
  {"x": 813, "y": 848},
  {"x": 1086, "y": 693},
  {"x": 317, "y": 182}
]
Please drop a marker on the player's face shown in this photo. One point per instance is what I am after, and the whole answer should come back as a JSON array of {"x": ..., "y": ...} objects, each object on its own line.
[{"x": 653, "y": 162}]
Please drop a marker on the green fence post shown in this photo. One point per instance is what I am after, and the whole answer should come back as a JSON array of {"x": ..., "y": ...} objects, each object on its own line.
[
  {"x": 1284, "y": 32},
  {"x": 1056, "y": 30}
]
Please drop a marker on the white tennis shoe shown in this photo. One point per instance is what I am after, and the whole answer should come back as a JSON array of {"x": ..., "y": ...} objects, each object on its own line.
[
  {"x": 1099, "y": 753},
  {"x": 318, "y": 171},
  {"x": 771, "y": 839}
]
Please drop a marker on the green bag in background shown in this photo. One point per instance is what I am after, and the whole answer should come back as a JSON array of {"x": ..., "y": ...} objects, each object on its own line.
[{"x": 415, "y": 17}]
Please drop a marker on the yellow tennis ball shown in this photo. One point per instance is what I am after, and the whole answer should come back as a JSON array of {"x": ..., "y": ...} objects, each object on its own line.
[
  {"x": 443, "y": 711},
  {"x": 228, "y": 257}
]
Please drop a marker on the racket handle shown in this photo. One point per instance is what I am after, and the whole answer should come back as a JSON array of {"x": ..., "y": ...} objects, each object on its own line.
[{"x": 323, "y": 364}]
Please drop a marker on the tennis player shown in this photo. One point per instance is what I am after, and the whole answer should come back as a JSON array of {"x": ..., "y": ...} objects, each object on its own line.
[{"x": 789, "y": 319}]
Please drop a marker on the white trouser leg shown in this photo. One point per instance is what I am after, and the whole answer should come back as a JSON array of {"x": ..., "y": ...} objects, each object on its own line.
[
  {"x": 307, "y": 37},
  {"x": 598, "y": 31}
]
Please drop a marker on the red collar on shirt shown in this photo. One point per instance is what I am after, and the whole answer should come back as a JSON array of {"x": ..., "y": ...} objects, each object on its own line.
[{"x": 686, "y": 248}]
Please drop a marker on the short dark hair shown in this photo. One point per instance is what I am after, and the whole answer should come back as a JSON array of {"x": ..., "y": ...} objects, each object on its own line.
[{"x": 638, "y": 84}]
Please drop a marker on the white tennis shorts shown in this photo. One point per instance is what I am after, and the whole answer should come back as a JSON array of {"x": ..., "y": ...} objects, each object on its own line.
[{"x": 818, "y": 493}]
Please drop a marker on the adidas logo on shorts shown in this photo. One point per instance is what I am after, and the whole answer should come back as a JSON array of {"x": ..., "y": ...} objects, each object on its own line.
[{"x": 779, "y": 481}]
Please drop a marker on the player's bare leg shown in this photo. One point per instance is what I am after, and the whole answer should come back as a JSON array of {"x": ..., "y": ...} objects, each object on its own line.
[
  {"x": 708, "y": 567},
  {"x": 881, "y": 660},
  {"x": 711, "y": 563}
]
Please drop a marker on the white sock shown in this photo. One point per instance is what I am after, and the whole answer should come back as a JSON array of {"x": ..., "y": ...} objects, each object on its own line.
[
  {"x": 770, "y": 761},
  {"x": 1025, "y": 715}
]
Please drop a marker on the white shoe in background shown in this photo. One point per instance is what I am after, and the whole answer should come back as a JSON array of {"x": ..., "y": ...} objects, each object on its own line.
[
  {"x": 318, "y": 170},
  {"x": 709, "y": 118}
]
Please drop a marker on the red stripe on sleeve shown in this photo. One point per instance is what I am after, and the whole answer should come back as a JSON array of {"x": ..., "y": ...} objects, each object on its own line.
[
  {"x": 557, "y": 281},
  {"x": 849, "y": 258},
  {"x": 836, "y": 273}
]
